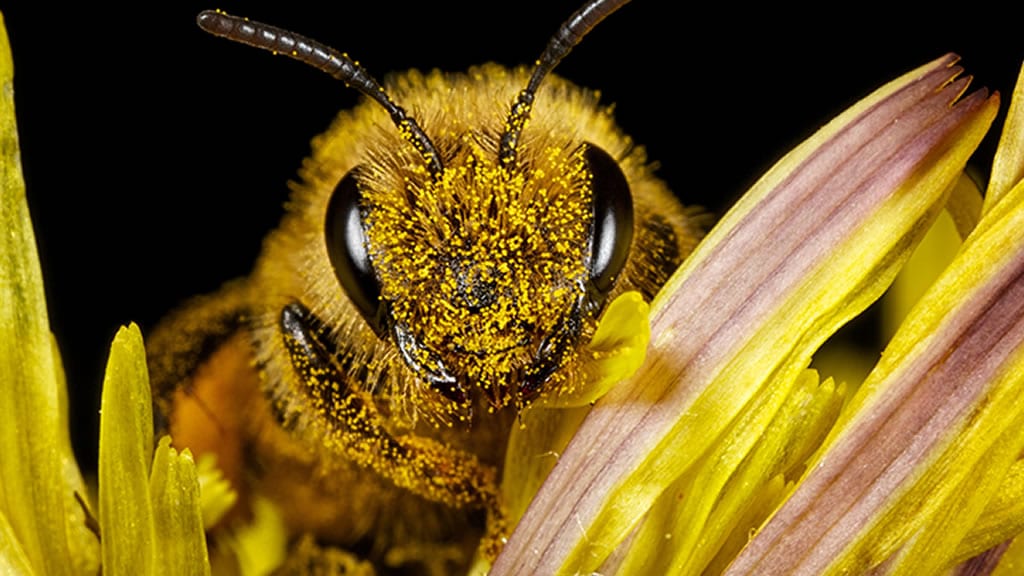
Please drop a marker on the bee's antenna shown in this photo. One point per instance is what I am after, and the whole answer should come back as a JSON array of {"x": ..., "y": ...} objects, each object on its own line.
[
  {"x": 280, "y": 41},
  {"x": 568, "y": 36}
]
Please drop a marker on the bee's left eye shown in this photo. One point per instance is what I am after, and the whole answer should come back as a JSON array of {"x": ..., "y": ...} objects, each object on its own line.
[
  {"x": 346, "y": 247},
  {"x": 612, "y": 230}
]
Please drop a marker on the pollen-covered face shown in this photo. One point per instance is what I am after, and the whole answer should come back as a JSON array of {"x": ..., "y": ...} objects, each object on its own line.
[
  {"x": 483, "y": 271},
  {"x": 485, "y": 277}
]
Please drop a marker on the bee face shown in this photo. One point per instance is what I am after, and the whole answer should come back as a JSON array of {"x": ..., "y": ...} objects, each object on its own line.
[
  {"x": 446, "y": 255},
  {"x": 470, "y": 300}
]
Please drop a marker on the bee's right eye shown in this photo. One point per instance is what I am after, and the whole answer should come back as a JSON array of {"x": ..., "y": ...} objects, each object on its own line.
[{"x": 346, "y": 247}]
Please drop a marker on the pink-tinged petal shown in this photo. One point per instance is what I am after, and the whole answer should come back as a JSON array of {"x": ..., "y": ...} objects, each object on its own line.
[
  {"x": 933, "y": 433},
  {"x": 813, "y": 243}
]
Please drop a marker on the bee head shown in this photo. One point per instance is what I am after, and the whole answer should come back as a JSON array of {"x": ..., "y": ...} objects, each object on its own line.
[
  {"x": 482, "y": 261},
  {"x": 483, "y": 277}
]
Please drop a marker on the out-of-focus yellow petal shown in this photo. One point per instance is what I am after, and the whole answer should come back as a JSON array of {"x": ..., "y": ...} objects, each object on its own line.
[
  {"x": 38, "y": 475},
  {"x": 216, "y": 494},
  {"x": 1008, "y": 164},
  {"x": 257, "y": 548},
  {"x": 965, "y": 205},
  {"x": 82, "y": 542},
  {"x": 813, "y": 243},
  {"x": 178, "y": 522},
  {"x": 12, "y": 557},
  {"x": 126, "y": 452},
  {"x": 932, "y": 255}
]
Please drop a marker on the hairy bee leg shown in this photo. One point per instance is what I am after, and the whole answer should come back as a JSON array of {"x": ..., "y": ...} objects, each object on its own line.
[
  {"x": 357, "y": 430},
  {"x": 202, "y": 373}
]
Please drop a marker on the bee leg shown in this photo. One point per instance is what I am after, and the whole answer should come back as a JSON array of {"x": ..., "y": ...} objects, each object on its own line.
[
  {"x": 202, "y": 373},
  {"x": 357, "y": 431}
]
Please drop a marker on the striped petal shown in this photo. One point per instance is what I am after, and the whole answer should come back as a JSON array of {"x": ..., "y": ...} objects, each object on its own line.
[
  {"x": 809, "y": 246},
  {"x": 933, "y": 433}
]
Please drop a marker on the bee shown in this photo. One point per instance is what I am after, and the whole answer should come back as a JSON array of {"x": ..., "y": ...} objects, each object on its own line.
[{"x": 444, "y": 261}]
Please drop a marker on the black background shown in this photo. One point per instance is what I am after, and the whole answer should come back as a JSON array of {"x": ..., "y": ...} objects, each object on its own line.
[{"x": 156, "y": 157}]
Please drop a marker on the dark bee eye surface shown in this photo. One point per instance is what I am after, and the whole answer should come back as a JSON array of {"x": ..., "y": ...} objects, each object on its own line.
[
  {"x": 612, "y": 231},
  {"x": 346, "y": 247}
]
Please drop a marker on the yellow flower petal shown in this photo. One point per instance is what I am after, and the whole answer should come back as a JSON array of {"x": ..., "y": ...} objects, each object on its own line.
[
  {"x": 150, "y": 514},
  {"x": 38, "y": 476},
  {"x": 217, "y": 497},
  {"x": 616, "y": 350},
  {"x": 256, "y": 548},
  {"x": 533, "y": 450},
  {"x": 1002, "y": 519},
  {"x": 931, "y": 257},
  {"x": 762, "y": 504},
  {"x": 965, "y": 205},
  {"x": 694, "y": 518},
  {"x": 178, "y": 521},
  {"x": 1008, "y": 164},
  {"x": 12, "y": 558},
  {"x": 126, "y": 452},
  {"x": 933, "y": 254},
  {"x": 1012, "y": 561}
]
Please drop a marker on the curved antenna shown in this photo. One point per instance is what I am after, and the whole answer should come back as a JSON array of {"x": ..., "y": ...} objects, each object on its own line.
[
  {"x": 565, "y": 39},
  {"x": 327, "y": 59}
]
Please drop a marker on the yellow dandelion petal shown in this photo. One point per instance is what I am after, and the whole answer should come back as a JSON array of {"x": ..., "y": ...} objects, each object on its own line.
[
  {"x": 1012, "y": 561},
  {"x": 256, "y": 548},
  {"x": 1002, "y": 519},
  {"x": 126, "y": 451},
  {"x": 178, "y": 521},
  {"x": 616, "y": 351},
  {"x": 696, "y": 515},
  {"x": 42, "y": 517},
  {"x": 12, "y": 558},
  {"x": 217, "y": 495},
  {"x": 1008, "y": 164},
  {"x": 149, "y": 508}
]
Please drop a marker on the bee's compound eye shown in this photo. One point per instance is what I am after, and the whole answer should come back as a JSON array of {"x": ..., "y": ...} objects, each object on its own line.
[
  {"x": 346, "y": 247},
  {"x": 612, "y": 230}
]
